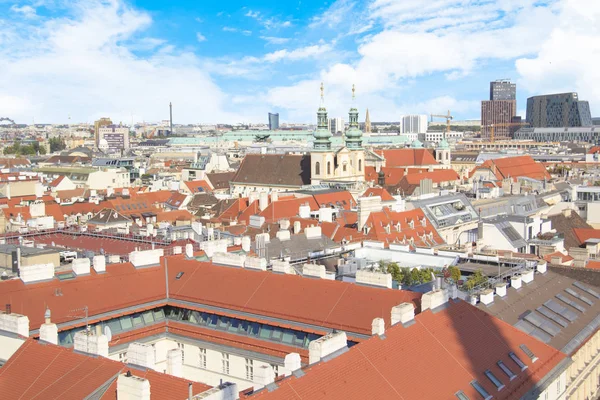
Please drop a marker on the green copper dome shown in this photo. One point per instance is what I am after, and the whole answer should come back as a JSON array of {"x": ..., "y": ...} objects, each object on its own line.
[
  {"x": 416, "y": 144},
  {"x": 353, "y": 134},
  {"x": 322, "y": 134},
  {"x": 443, "y": 144}
]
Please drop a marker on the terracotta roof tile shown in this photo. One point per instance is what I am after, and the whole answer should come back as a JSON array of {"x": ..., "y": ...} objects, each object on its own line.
[
  {"x": 381, "y": 192},
  {"x": 407, "y": 157},
  {"x": 383, "y": 226},
  {"x": 441, "y": 354}
]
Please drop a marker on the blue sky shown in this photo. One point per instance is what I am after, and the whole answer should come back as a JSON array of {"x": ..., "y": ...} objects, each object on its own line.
[{"x": 235, "y": 61}]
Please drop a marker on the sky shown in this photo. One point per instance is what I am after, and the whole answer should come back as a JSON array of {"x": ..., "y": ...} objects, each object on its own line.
[{"x": 235, "y": 61}]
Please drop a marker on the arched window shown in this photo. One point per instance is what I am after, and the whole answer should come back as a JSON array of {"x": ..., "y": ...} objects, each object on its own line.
[
  {"x": 317, "y": 168},
  {"x": 359, "y": 165},
  {"x": 344, "y": 167},
  {"x": 328, "y": 167}
]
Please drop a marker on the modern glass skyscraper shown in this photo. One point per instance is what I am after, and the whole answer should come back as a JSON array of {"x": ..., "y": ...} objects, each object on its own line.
[
  {"x": 273, "y": 121},
  {"x": 562, "y": 110},
  {"x": 503, "y": 89}
]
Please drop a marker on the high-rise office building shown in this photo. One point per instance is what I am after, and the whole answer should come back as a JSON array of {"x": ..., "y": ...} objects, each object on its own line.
[
  {"x": 273, "y": 121},
  {"x": 97, "y": 125},
  {"x": 503, "y": 89},
  {"x": 562, "y": 110},
  {"x": 336, "y": 125},
  {"x": 116, "y": 137},
  {"x": 413, "y": 124},
  {"x": 497, "y": 115}
]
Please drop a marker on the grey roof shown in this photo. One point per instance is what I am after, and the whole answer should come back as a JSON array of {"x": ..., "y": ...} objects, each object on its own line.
[
  {"x": 549, "y": 308},
  {"x": 502, "y": 223},
  {"x": 25, "y": 251},
  {"x": 520, "y": 205},
  {"x": 445, "y": 211},
  {"x": 298, "y": 247}
]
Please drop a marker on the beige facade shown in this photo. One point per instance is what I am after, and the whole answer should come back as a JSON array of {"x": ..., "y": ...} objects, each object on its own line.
[
  {"x": 43, "y": 257},
  {"x": 583, "y": 374}
]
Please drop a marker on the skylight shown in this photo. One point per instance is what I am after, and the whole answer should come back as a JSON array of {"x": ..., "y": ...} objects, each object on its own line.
[
  {"x": 480, "y": 389},
  {"x": 461, "y": 395},
  {"x": 517, "y": 361},
  {"x": 529, "y": 353},
  {"x": 499, "y": 385},
  {"x": 511, "y": 375}
]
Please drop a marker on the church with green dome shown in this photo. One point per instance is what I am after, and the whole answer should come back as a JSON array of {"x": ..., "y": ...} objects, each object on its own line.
[{"x": 345, "y": 164}]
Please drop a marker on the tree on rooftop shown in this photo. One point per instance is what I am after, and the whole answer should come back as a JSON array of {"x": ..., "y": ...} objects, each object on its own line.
[
  {"x": 394, "y": 269},
  {"x": 475, "y": 280},
  {"x": 454, "y": 273},
  {"x": 56, "y": 144}
]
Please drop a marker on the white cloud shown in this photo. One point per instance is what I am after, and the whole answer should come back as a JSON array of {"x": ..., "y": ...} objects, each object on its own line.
[
  {"x": 236, "y": 30},
  {"x": 297, "y": 54},
  {"x": 81, "y": 66},
  {"x": 27, "y": 11},
  {"x": 267, "y": 23},
  {"x": 200, "y": 37},
  {"x": 569, "y": 56},
  {"x": 275, "y": 40},
  {"x": 252, "y": 14}
]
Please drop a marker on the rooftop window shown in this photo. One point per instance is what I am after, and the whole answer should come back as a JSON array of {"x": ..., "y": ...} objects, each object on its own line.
[
  {"x": 499, "y": 385},
  {"x": 529, "y": 353},
  {"x": 517, "y": 361},
  {"x": 481, "y": 390},
  {"x": 511, "y": 375}
]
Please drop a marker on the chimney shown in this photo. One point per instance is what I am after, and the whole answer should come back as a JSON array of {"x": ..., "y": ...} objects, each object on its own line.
[
  {"x": 264, "y": 375},
  {"x": 304, "y": 211},
  {"x": 48, "y": 330},
  {"x": 99, "y": 264},
  {"x": 189, "y": 250},
  {"x": 297, "y": 227},
  {"x": 91, "y": 343},
  {"x": 567, "y": 212},
  {"x": 527, "y": 276},
  {"x": 542, "y": 267},
  {"x": 372, "y": 278},
  {"x": 175, "y": 362},
  {"x": 284, "y": 224},
  {"x": 81, "y": 266},
  {"x": 403, "y": 313},
  {"x": 292, "y": 362},
  {"x": 141, "y": 354},
  {"x": 263, "y": 200},
  {"x": 515, "y": 281},
  {"x": 313, "y": 232},
  {"x": 246, "y": 242},
  {"x": 434, "y": 299},
  {"x": 131, "y": 387},
  {"x": 378, "y": 326},
  {"x": 14, "y": 323},
  {"x": 487, "y": 297},
  {"x": 326, "y": 345},
  {"x": 501, "y": 289}
]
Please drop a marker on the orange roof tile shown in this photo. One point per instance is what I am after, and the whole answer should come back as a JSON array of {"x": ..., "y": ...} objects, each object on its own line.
[
  {"x": 441, "y": 354},
  {"x": 381, "y": 192},
  {"x": 593, "y": 265},
  {"x": 53, "y": 372},
  {"x": 198, "y": 186},
  {"x": 563, "y": 257},
  {"x": 340, "y": 199},
  {"x": 320, "y": 302},
  {"x": 585, "y": 234},
  {"x": 383, "y": 226},
  {"x": 514, "y": 167}
]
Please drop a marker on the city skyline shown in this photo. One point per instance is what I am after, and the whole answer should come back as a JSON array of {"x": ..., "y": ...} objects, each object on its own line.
[{"x": 233, "y": 63}]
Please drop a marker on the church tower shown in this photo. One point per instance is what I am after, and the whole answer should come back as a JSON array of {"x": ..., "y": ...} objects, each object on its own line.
[
  {"x": 442, "y": 152},
  {"x": 367, "y": 123},
  {"x": 354, "y": 142},
  {"x": 322, "y": 157}
]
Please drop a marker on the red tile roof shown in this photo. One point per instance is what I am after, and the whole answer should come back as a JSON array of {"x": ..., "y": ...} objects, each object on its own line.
[
  {"x": 383, "y": 226},
  {"x": 407, "y": 157},
  {"x": 57, "y": 181},
  {"x": 436, "y": 357},
  {"x": 584, "y": 234},
  {"x": 320, "y": 302},
  {"x": 593, "y": 265},
  {"x": 47, "y": 371},
  {"x": 381, "y": 192},
  {"x": 198, "y": 186},
  {"x": 563, "y": 257},
  {"x": 514, "y": 167},
  {"x": 343, "y": 200}
]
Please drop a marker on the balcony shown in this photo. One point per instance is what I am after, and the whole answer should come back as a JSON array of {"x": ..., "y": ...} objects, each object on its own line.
[{"x": 547, "y": 239}]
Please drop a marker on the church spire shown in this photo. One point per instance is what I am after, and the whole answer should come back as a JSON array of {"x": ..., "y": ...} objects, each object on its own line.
[
  {"x": 367, "y": 122},
  {"x": 322, "y": 134},
  {"x": 353, "y": 135}
]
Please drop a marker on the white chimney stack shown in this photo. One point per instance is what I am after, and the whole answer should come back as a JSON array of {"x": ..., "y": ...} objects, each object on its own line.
[
  {"x": 99, "y": 264},
  {"x": 264, "y": 375},
  {"x": 141, "y": 354},
  {"x": 403, "y": 313},
  {"x": 131, "y": 387},
  {"x": 304, "y": 211},
  {"x": 246, "y": 242},
  {"x": 527, "y": 276},
  {"x": 378, "y": 326},
  {"x": 15, "y": 323},
  {"x": 189, "y": 250},
  {"x": 542, "y": 267},
  {"x": 263, "y": 200},
  {"x": 48, "y": 330},
  {"x": 501, "y": 289},
  {"x": 297, "y": 227},
  {"x": 326, "y": 345},
  {"x": 91, "y": 343},
  {"x": 487, "y": 297},
  {"x": 515, "y": 281},
  {"x": 292, "y": 362},
  {"x": 175, "y": 362},
  {"x": 434, "y": 299}
]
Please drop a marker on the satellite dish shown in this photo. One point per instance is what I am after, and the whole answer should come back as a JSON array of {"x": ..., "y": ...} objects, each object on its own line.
[{"x": 107, "y": 333}]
